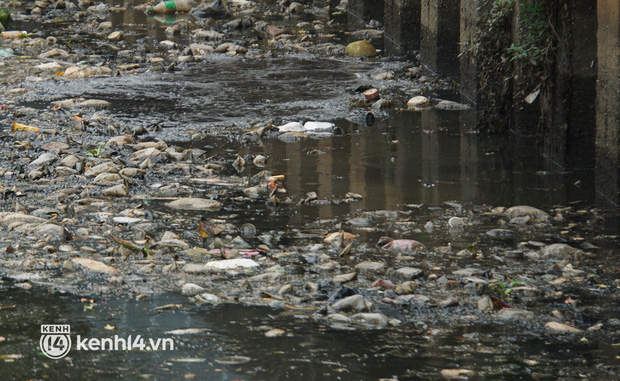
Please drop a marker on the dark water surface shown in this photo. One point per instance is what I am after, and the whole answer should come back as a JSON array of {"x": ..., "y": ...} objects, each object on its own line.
[
  {"x": 308, "y": 351},
  {"x": 407, "y": 158}
]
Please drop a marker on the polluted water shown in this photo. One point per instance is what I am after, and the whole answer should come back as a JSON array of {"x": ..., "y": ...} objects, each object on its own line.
[{"x": 238, "y": 180}]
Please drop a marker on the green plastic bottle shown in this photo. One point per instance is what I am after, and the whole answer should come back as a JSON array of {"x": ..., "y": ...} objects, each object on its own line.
[{"x": 171, "y": 6}]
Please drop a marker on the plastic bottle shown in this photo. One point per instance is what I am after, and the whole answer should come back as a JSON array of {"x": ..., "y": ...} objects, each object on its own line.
[
  {"x": 171, "y": 6},
  {"x": 22, "y": 127},
  {"x": 9, "y": 34}
]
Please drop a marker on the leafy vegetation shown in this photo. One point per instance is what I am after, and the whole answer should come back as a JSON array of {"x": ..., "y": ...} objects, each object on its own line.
[
  {"x": 534, "y": 35},
  {"x": 505, "y": 288},
  {"x": 533, "y": 38},
  {"x": 513, "y": 39},
  {"x": 96, "y": 152}
]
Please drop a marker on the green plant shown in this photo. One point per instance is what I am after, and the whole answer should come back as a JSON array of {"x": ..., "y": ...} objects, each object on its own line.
[
  {"x": 96, "y": 152},
  {"x": 472, "y": 248},
  {"x": 505, "y": 288},
  {"x": 534, "y": 37},
  {"x": 512, "y": 45}
]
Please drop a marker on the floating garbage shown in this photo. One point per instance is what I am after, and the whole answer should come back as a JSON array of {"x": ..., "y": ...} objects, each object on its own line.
[
  {"x": 188, "y": 359},
  {"x": 291, "y": 127},
  {"x": 364, "y": 118},
  {"x": 319, "y": 126},
  {"x": 259, "y": 160},
  {"x": 127, "y": 220},
  {"x": 248, "y": 230},
  {"x": 361, "y": 49},
  {"x": 11, "y": 34},
  {"x": 191, "y": 203},
  {"x": 214, "y": 9},
  {"x": 525, "y": 210},
  {"x": 450, "y": 105},
  {"x": 232, "y": 360},
  {"x": 6, "y": 52},
  {"x": 371, "y": 94},
  {"x": 231, "y": 264},
  {"x": 406, "y": 245},
  {"x": 185, "y": 331},
  {"x": 311, "y": 127},
  {"x": 171, "y": 6},
  {"x": 22, "y": 127},
  {"x": 418, "y": 102},
  {"x": 246, "y": 253},
  {"x": 456, "y": 222}
]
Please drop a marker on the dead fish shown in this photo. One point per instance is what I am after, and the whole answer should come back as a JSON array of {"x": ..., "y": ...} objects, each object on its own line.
[
  {"x": 233, "y": 360},
  {"x": 168, "y": 307},
  {"x": 383, "y": 283},
  {"x": 186, "y": 331},
  {"x": 407, "y": 245}
]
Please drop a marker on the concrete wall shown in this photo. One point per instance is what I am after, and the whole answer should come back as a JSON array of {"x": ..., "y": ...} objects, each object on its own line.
[
  {"x": 582, "y": 85},
  {"x": 439, "y": 33},
  {"x": 570, "y": 108},
  {"x": 470, "y": 16},
  {"x": 365, "y": 10},
  {"x": 525, "y": 116},
  {"x": 608, "y": 101},
  {"x": 402, "y": 24}
]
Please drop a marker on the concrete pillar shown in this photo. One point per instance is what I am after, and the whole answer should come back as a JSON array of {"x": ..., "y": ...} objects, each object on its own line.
[
  {"x": 526, "y": 115},
  {"x": 608, "y": 101},
  {"x": 582, "y": 108},
  {"x": 570, "y": 138},
  {"x": 402, "y": 25},
  {"x": 440, "y": 36},
  {"x": 471, "y": 11},
  {"x": 362, "y": 11}
]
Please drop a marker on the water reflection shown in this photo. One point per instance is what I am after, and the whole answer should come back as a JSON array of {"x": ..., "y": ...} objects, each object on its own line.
[
  {"x": 429, "y": 157},
  {"x": 409, "y": 158},
  {"x": 307, "y": 351}
]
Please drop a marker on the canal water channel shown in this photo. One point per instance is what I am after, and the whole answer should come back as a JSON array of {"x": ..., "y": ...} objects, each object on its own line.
[{"x": 417, "y": 164}]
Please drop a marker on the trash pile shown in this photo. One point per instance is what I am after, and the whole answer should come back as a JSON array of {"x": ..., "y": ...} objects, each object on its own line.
[{"x": 132, "y": 215}]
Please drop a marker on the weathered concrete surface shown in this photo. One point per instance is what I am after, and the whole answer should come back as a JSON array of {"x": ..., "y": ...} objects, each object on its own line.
[
  {"x": 582, "y": 109},
  {"x": 440, "y": 36},
  {"x": 402, "y": 24},
  {"x": 608, "y": 100},
  {"x": 568, "y": 110},
  {"x": 362, "y": 11},
  {"x": 469, "y": 24},
  {"x": 526, "y": 116}
]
